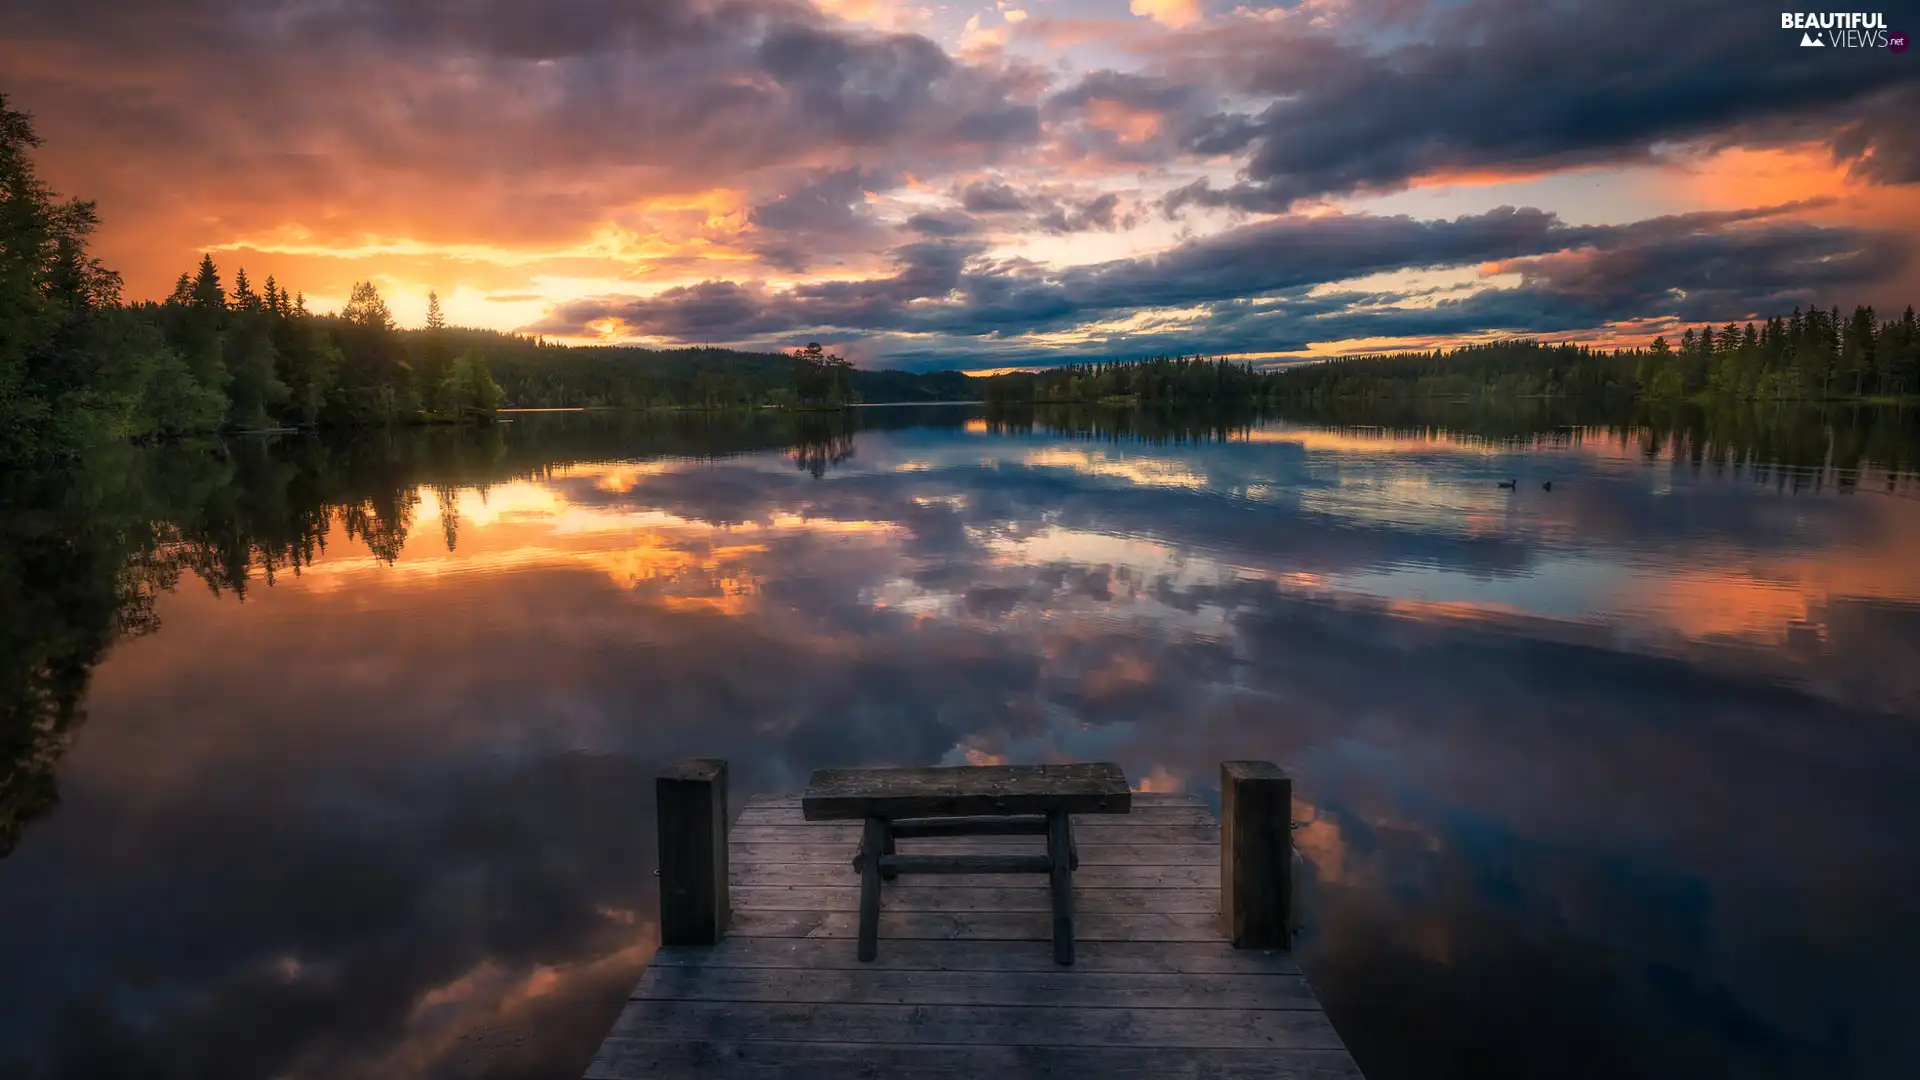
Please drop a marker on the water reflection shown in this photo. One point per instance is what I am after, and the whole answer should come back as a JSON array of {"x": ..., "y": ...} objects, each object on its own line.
[{"x": 1610, "y": 780}]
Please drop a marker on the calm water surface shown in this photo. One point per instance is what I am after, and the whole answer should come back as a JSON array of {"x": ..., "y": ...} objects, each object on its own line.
[{"x": 334, "y": 759}]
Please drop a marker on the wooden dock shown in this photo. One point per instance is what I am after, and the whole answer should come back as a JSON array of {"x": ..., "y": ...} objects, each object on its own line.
[{"x": 965, "y": 984}]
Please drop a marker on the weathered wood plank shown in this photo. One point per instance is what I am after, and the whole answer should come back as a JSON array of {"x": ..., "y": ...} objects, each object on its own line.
[
  {"x": 1087, "y": 878},
  {"x": 1091, "y": 854},
  {"x": 1141, "y": 799},
  {"x": 1041, "y": 989},
  {"x": 977, "y": 926},
  {"x": 691, "y": 807},
  {"x": 918, "y": 894},
  {"x": 705, "y": 1059},
  {"x": 967, "y": 864},
  {"x": 966, "y": 790},
  {"x": 1165, "y": 814},
  {"x": 989, "y": 1025},
  {"x": 1086, "y": 830},
  {"x": 819, "y": 954},
  {"x": 918, "y": 828}
]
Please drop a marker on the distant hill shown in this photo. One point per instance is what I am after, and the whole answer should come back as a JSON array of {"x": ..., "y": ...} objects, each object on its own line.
[{"x": 537, "y": 374}]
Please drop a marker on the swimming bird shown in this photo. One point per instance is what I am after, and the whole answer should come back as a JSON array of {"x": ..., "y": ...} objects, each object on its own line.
[
  {"x": 1548, "y": 486},
  {"x": 1510, "y": 483}
]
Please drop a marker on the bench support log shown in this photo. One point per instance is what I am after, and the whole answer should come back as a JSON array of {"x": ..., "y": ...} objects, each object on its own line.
[
  {"x": 1059, "y": 858},
  {"x": 1256, "y": 855},
  {"x": 691, "y": 804}
]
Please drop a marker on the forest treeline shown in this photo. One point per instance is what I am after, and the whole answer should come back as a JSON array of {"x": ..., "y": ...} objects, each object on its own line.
[
  {"x": 79, "y": 366},
  {"x": 1814, "y": 355}
]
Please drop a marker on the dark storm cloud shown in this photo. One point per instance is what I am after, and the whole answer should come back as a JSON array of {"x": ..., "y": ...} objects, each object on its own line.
[
  {"x": 1517, "y": 85},
  {"x": 824, "y": 214},
  {"x": 490, "y": 122},
  {"x": 1045, "y": 210},
  {"x": 943, "y": 224},
  {"x": 1253, "y": 283}
]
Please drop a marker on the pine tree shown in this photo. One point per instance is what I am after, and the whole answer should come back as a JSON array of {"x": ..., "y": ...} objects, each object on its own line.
[
  {"x": 436, "y": 359},
  {"x": 244, "y": 298},
  {"x": 207, "y": 293}
]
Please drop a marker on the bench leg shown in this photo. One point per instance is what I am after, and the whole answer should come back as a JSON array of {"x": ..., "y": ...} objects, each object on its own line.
[
  {"x": 872, "y": 843},
  {"x": 1059, "y": 849},
  {"x": 1073, "y": 846},
  {"x": 888, "y": 874}
]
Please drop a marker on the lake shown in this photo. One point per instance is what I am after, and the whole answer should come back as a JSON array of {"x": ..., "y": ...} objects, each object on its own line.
[{"x": 333, "y": 757}]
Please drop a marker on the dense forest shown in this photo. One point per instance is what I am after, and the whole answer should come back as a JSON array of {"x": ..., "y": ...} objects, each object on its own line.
[
  {"x": 78, "y": 366},
  {"x": 1807, "y": 356}
]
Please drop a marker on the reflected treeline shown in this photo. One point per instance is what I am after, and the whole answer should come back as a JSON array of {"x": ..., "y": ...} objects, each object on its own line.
[
  {"x": 1159, "y": 427},
  {"x": 86, "y": 547},
  {"x": 1791, "y": 444}
]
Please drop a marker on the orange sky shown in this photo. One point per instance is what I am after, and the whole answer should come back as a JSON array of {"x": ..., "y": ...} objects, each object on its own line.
[{"x": 978, "y": 174}]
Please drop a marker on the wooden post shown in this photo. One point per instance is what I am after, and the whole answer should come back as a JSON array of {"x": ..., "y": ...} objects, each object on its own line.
[
  {"x": 692, "y": 805},
  {"x": 1059, "y": 869},
  {"x": 1256, "y": 854},
  {"x": 873, "y": 844}
]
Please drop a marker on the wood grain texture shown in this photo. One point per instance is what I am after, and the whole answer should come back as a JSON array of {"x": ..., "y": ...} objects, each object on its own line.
[
  {"x": 921, "y": 894},
  {"x": 1127, "y": 957},
  {"x": 1141, "y": 799},
  {"x": 979, "y": 925},
  {"x": 1091, "y": 854},
  {"x": 707, "y": 1059},
  {"x": 870, "y": 986},
  {"x": 966, "y": 791},
  {"x": 1086, "y": 878},
  {"x": 972, "y": 1025},
  {"x": 1089, "y": 830},
  {"x": 1141, "y": 814}
]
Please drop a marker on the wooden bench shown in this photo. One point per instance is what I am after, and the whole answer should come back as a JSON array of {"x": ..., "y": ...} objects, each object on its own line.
[{"x": 969, "y": 800}]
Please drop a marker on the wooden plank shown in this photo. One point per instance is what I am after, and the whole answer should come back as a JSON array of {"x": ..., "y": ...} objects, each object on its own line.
[
  {"x": 759, "y": 874},
  {"x": 1256, "y": 854},
  {"x": 1140, "y": 815},
  {"x": 691, "y": 806},
  {"x": 966, "y": 791},
  {"x": 977, "y": 926},
  {"x": 1090, "y": 854},
  {"x": 1086, "y": 830},
  {"x": 819, "y": 954},
  {"x": 707, "y": 1059},
  {"x": 914, "y": 894},
  {"x": 946, "y": 1025},
  {"x": 966, "y": 864},
  {"x": 916, "y": 828},
  {"x": 1141, "y": 800},
  {"x": 868, "y": 986}
]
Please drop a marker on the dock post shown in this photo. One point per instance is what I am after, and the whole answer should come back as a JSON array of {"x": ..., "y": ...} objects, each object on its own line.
[
  {"x": 1256, "y": 855},
  {"x": 692, "y": 806}
]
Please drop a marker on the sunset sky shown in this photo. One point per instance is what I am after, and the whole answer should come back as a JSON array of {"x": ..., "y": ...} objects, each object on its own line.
[{"x": 992, "y": 184}]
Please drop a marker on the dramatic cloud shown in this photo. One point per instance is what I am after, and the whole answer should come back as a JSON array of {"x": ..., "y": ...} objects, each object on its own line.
[
  {"x": 1703, "y": 265},
  {"x": 983, "y": 184}
]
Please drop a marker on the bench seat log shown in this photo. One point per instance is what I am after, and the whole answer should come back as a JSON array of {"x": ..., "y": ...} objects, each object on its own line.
[{"x": 991, "y": 800}]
